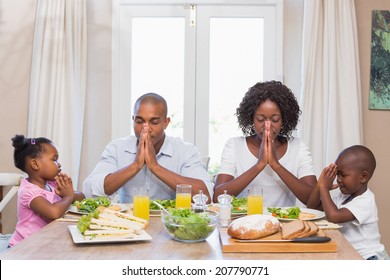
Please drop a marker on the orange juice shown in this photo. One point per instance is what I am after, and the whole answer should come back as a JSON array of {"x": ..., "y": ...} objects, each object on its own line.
[
  {"x": 141, "y": 206},
  {"x": 255, "y": 204},
  {"x": 183, "y": 200}
]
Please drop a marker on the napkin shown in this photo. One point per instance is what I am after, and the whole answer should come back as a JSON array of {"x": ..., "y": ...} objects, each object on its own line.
[
  {"x": 68, "y": 217},
  {"x": 325, "y": 224}
]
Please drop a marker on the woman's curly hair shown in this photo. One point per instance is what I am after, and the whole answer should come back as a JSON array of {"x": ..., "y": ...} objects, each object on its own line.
[{"x": 276, "y": 92}]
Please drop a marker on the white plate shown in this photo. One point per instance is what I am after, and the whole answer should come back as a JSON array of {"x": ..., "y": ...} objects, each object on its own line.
[
  {"x": 155, "y": 212},
  {"x": 73, "y": 209},
  {"x": 215, "y": 207},
  {"x": 318, "y": 214},
  {"x": 78, "y": 238}
]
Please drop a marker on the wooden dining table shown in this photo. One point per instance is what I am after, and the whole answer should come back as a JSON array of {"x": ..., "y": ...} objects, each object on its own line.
[{"x": 54, "y": 242}]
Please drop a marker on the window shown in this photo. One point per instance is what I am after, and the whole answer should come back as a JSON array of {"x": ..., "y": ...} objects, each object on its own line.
[{"x": 202, "y": 58}]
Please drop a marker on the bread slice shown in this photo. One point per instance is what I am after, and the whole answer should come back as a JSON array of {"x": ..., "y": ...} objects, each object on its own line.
[
  {"x": 313, "y": 228},
  {"x": 303, "y": 233},
  {"x": 291, "y": 229}
]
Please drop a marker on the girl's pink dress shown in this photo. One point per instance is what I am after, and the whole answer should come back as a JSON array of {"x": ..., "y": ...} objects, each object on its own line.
[{"x": 28, "y": 221}]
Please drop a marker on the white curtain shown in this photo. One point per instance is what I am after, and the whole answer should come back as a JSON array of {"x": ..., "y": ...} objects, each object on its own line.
[
  {"x": 58, "y": 78},
  {"x": 331, "y": 90}
]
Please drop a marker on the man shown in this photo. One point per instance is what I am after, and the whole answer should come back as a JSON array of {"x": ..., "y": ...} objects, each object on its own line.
[{"x": 150, "y": 158}]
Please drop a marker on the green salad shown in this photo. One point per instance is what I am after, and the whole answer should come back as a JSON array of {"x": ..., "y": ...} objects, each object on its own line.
[
  {"x": 85, "y": 220},
  {"x": 166, "y": 203},
  {"x": 89, "y": 205},
  {"x": 285, "y": 213},
  {"x": 187, "y": 225},
  {"x": 239, "y": 204}
]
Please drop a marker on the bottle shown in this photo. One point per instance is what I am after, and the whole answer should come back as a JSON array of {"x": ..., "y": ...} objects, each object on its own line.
[
  {"x": 199, "y": 202},
  {"x": 225, "y": 209}
]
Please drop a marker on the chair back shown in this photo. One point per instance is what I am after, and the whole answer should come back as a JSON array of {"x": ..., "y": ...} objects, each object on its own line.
[{"x": 9, "y": 180}]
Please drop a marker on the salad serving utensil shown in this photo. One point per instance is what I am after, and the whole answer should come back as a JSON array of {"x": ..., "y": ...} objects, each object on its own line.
[
  {"x": 165, "y": 210},
  {"x": 161, "y": 207}
]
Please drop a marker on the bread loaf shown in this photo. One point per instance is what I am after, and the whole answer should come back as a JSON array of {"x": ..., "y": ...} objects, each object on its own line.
[{"x": 253, "y": 227}]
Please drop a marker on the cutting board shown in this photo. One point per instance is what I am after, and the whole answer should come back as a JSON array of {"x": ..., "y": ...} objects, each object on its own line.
[{"x": 231, "y": 245}]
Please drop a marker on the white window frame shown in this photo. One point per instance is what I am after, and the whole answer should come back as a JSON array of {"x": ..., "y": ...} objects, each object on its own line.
[{"x": 121, "y": 115}]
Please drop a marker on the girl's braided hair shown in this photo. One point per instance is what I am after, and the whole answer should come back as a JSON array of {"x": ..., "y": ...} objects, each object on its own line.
[{"x": 27, "y": 147}]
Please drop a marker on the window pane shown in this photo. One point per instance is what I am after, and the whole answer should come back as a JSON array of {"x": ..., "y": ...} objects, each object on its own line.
[
  {"x": 236, "y": 63},
  {"x": 157, "y": 64}
]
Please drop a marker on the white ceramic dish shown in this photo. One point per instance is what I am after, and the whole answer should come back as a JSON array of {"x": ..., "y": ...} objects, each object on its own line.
[
  {"x": 73, "y": 209},
  {"x": 155, "y": 213},
  {"x": 78, "y": 238},
  {"x": 318, "y": 214},
  {"x": 215, "y": 207}
]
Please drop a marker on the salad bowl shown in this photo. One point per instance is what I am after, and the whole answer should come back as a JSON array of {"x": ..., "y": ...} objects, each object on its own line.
[{"x": 186, "y": 226}]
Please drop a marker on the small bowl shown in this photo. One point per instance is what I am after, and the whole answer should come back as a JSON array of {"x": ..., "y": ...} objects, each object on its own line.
[{"x": 190, "y": 230}]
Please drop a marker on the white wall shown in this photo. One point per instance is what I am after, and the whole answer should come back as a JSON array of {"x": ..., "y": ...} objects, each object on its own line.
[{"x": 16, "y": 35}]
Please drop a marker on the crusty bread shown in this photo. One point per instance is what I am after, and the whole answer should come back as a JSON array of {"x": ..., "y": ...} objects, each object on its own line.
[{"x": 253, "y": 226}]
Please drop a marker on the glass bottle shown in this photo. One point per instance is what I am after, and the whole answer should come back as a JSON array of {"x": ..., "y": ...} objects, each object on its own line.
[
  {"x": 200, "y": 201},
  {"x": 225, "y": 209}
]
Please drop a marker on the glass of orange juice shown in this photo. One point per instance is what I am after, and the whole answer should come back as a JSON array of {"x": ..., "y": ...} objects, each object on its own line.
[
  {"x": 183, "y": 196},
  {"x": 141, "y": 203},
  {"x": 255, "y": 201}
]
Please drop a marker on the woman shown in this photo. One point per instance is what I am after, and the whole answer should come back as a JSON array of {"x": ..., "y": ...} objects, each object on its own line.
[{"x": 267, "y": 156}]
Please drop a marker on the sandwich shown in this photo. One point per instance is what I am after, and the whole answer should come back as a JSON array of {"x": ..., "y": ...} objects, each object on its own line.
[
  {"x": 124, "y": 218},
  {"x": 107, "y": 234},
  {"x": 110, "y": 224}
]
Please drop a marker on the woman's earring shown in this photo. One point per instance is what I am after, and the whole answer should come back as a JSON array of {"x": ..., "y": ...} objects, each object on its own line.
[{"x": 281, "y": 132}]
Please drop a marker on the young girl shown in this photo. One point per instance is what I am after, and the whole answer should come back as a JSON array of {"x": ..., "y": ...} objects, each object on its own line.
[
  {"x": 47, "y": 192},
  {"x": 351, "y": 202}
]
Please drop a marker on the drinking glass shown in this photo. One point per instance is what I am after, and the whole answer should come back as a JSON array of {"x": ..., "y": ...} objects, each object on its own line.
[
  {"x": 183, "y": 196},
  {"x": 141, "y": 203},
  {"x": 255, "y": 201}
]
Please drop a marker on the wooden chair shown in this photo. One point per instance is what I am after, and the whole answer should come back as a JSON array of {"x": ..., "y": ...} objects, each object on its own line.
[{"x": 8, "y": 180}]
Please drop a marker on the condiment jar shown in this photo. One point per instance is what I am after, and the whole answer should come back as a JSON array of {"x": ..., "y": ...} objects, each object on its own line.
[
  {"x": 199, "y": 202},
  {"x": 225, "y": 209}
]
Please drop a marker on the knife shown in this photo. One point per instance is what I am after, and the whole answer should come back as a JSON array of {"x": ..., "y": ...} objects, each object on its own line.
[{"x": 310, "y": 239}]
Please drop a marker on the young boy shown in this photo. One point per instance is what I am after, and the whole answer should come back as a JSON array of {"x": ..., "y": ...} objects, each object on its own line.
[{"x": 350, "y": 201}]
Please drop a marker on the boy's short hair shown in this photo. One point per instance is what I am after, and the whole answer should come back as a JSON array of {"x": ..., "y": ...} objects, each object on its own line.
[{"x": 365, "y": 159}]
